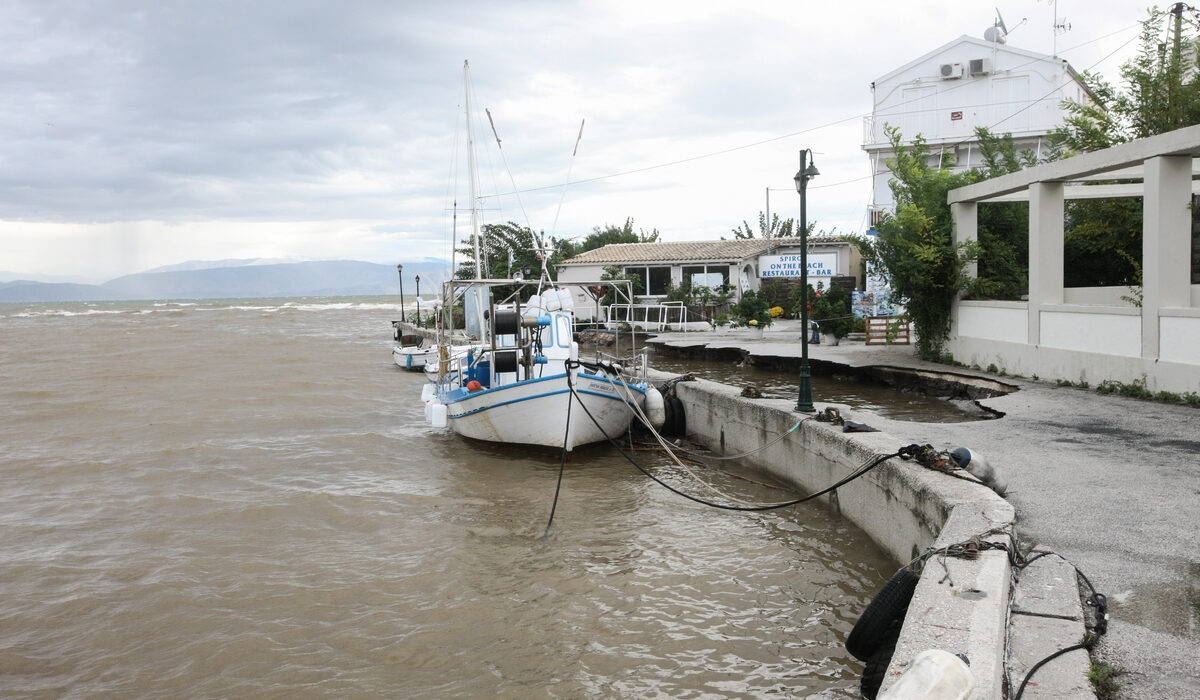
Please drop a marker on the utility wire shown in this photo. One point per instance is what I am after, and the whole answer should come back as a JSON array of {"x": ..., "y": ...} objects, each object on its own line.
[{"x": 826, "y": 125}]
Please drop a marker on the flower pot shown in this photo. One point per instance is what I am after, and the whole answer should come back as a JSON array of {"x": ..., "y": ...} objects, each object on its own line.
[
  {"x": 828, "y": 339},
  {"x": 756, "y": 332}
]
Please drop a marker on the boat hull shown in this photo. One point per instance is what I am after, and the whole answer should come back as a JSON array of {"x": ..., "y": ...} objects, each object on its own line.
[
  {"x": 535, "y": 411},
  {"x": 414, "y": 359}
]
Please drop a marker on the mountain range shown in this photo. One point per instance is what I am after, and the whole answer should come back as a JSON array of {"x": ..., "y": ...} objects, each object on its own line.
[{"x": 240, "y": 279}]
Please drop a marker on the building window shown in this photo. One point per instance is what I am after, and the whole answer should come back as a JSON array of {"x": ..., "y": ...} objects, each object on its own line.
[
  {"x": 655, "y": 280},
  {"x": 711, "y": 276}
]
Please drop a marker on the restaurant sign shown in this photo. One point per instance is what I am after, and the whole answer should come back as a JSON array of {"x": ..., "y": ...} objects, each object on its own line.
[{"x": 819, "y": 265}]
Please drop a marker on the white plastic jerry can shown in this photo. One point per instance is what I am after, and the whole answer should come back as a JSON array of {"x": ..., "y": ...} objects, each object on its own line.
[{"x": 934, "y": 675}]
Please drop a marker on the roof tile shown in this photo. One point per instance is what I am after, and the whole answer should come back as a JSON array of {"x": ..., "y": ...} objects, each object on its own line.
[{"x": 684, "y": 251}]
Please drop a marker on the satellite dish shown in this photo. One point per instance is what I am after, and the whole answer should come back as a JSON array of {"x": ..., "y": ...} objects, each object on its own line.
[{"x": 997, "y": 33}]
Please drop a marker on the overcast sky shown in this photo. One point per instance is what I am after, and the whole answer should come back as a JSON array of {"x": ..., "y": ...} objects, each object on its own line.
[{"x": 140, "y": 134}]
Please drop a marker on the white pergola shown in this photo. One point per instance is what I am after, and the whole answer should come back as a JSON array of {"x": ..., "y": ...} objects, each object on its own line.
[{"x": 1092, "y": 334}]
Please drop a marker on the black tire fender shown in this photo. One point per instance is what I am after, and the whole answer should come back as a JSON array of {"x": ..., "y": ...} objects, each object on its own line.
[
  {"x": 881, "y": 658},
  {"x": 678, "y": 418},
  {"x": 668, "y": 418},
  {"x": 888, "y": 605}
]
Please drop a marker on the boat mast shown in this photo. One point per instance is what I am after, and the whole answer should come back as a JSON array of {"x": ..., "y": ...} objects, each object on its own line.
[
  {"x": 477, "y": 292},
  {"x": 471, "y": 172}
]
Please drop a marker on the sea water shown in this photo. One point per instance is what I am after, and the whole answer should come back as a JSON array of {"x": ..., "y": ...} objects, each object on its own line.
[{"x": 242, "y": 499}]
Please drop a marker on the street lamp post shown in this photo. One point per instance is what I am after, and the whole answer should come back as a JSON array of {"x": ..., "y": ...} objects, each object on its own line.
[
  {"x": 418, "y": 280},
  {"x": 803, "y": 175},
  {"x": 400, "y": 272}
]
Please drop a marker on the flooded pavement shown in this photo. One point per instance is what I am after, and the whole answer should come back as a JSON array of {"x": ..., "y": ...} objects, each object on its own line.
[{"x": 840, "y": 387}]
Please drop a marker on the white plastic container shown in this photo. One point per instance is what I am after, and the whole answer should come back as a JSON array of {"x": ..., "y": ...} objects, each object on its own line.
[
  {"x": 934, "y": 675},
  {"x": 533, "y": 307},
  {"x": 565, "y": 299},
  {"x": 438, "y": 411}
]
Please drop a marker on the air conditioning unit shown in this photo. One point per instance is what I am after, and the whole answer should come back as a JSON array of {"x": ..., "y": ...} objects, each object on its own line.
[
  {"x": 980, "y": 66},
  {"x": 952, "y": 71}
]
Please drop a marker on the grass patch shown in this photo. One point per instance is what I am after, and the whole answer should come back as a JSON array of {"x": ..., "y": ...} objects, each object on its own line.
[{"x": 1104, "y": 680}]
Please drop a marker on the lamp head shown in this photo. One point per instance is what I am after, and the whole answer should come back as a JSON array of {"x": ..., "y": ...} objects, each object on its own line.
[{"x": 803, "y": 176}]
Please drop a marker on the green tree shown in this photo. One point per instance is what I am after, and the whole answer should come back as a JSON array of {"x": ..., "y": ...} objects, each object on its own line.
[
  {"x": 602, "y": 236},
  {"x": 1160, "y": 93},
  {"x": 505, "y": 248},
  {"x": 926, "y": 268},
  {"x": 1161, "y": 89},
  {"x": 1003, "y": 228},
  {"x": 779, "y": 228}
]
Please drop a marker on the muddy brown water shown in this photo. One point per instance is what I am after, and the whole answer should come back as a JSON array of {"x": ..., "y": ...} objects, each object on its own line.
[{"x": 242, "y": 499}]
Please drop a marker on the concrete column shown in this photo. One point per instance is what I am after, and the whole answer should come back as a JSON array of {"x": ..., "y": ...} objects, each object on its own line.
[
  {"x": 965, "y": 227},
  {"x": 1166, "y": 243},
  {"x": 1045, "y": 252}
]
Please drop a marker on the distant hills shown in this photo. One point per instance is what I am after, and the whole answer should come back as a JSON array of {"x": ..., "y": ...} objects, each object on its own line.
[{"x": 240, "y": 279}]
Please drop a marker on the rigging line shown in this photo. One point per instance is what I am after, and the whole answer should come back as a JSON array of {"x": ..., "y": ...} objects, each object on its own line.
[
  {"x": 504, "y": 159},
  {"x": 570, "y": 167}
]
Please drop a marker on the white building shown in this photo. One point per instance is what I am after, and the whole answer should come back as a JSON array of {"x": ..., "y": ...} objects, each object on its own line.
[
  {"x": 945, "y": 94},
  {"x": 737, "y": 265}
]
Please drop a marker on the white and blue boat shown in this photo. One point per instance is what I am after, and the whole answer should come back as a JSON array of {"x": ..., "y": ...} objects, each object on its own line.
[
  {"x": 520, "y": 380},
  {"x": 525, "y": 383}
]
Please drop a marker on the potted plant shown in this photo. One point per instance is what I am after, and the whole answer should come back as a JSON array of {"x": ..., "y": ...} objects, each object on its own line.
[
  {"x": 721, "y": 324},
  {"x": 753, "y": 311},
  {"x": 831, "y": 311}
]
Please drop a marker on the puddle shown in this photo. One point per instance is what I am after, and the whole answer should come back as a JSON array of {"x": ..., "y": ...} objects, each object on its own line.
[{"x": 1171, "y": 608}]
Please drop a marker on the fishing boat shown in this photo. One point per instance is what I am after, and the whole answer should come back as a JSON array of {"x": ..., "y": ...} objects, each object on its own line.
[
  {"x": 524, "y": 383},
  {"x": 520, "y": 379}
]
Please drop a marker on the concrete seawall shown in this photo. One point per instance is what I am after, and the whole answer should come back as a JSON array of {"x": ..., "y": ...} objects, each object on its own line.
[{"x": 960, "y": 605}]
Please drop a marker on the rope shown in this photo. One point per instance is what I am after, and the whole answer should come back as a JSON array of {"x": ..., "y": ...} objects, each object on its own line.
[
  {"x": 627, "y": 396},
  {"x": 971, "y": 548},
  {"x": 861, "y": 471},
  {"x": 562, "y": 464}
]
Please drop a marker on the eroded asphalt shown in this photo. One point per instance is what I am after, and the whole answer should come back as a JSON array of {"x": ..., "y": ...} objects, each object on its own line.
[{"x": 1110, "y": 483}]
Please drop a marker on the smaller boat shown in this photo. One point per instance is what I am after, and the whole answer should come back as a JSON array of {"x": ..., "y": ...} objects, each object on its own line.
[{"x": 410, "y": 352}]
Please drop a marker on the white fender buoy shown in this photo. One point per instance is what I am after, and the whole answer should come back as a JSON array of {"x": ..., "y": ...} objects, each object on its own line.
[
  {"x": 656, "y": 408},
  {"x": 976, "y": 464},
  {"x": 934, "y": 675}
]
